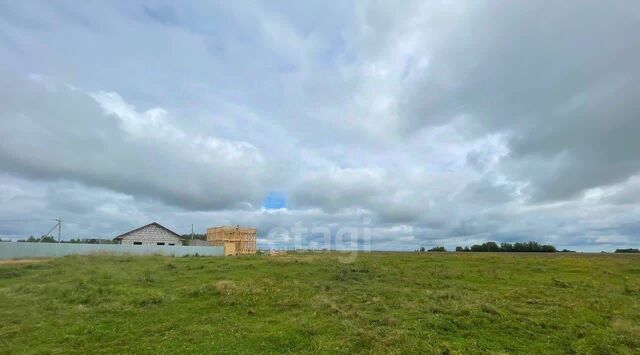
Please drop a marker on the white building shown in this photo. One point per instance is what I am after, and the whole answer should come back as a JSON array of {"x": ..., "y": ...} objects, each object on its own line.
[{"x": 151, "y": 234}]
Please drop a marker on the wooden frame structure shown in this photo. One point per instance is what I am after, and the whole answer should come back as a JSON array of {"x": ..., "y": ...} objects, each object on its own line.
[{"x": 235, "y": 240}]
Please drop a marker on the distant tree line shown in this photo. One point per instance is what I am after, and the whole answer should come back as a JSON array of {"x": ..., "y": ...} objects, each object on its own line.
[
  {"x": 628, "y": 250},
  {"x": 422, "y": 249},
  {"x": 50, "y": 239},
  {"x": 90, "y": 241},
  {"x": 43, "y": 239},
  {"x": 525, "y": 247},
  {"x": 194, "y": 236}
]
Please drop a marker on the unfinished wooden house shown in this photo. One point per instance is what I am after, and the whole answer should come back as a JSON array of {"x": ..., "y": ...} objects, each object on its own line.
[{"x": 235, "y": 240}]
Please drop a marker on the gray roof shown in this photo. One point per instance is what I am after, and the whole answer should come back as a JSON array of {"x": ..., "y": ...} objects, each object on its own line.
[{"x": 145, "y": 226}]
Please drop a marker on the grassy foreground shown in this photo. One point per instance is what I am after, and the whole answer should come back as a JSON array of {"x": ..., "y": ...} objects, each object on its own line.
[{"x": 381, "y": 303}]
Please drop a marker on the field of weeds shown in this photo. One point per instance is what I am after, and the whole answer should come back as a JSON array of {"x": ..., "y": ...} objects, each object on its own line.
[{"x": 380, "y": 303}]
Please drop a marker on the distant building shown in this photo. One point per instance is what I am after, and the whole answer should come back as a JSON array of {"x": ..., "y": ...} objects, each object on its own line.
[
  {"x": 151, "y": 234},
  {"x": 235, "y": 240}
]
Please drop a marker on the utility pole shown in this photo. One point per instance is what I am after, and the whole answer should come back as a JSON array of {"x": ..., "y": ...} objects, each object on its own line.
[
  {"x": 59, "y": 228},
  {"x": 59, "y": 225},
  {"x": 191, "y": 231}
]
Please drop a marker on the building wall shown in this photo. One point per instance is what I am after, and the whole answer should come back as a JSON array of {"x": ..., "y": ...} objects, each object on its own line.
[
  {"x": 244, "y": 239},
  {"x": 151, "y": 235},
  {"x": 230, "y": 248},
  {"x": 47, "y": 250}
]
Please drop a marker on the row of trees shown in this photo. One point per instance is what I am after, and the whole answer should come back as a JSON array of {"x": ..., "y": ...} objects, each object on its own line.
[
  {"x": 628, "y": 250},
  {"x": 525, "y": 247},
  {"x": 50, "y": 239},
  {"x": 90, "y": 241},
  {"x": 194, "y": 236},
  {"x": 32, "y": 239}
]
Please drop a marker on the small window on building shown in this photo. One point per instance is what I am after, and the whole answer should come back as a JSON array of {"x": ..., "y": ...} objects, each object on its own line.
[
  {"x": 171, "y": 244},
  {"x": 137, "y": 243},
  {"x": 160, "y": 243}
]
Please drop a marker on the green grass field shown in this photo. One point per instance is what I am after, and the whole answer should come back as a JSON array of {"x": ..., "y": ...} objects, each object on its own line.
[{"x": 381, "y": 303}]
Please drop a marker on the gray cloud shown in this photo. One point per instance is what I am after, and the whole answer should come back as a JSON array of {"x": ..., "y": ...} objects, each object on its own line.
[
  {"x": 562, "y": 85},
  {"x": 56, "y": 132},
  {"x": 438, "y": 122}
]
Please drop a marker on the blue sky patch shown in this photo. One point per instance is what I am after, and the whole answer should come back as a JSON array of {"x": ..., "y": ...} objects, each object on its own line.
[{"x": 275, "y": 200}]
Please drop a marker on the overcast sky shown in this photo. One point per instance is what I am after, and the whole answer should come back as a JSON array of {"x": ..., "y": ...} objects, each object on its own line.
[{"x": 433, "y": 123}]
